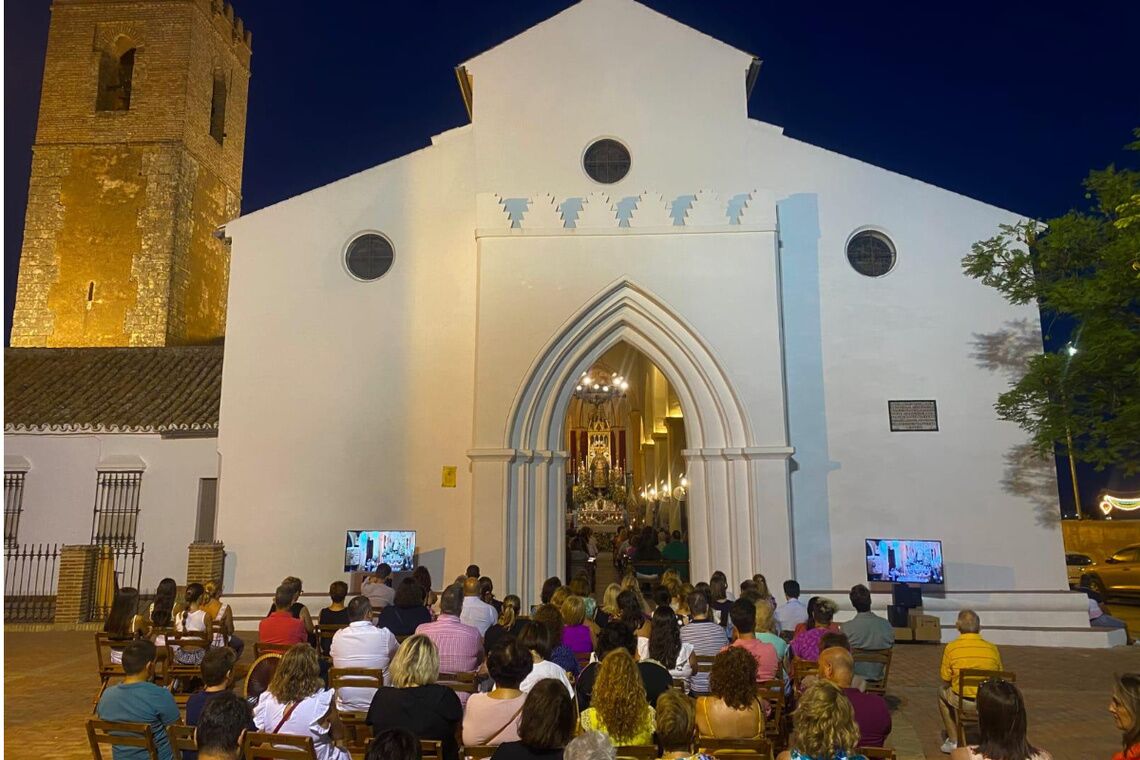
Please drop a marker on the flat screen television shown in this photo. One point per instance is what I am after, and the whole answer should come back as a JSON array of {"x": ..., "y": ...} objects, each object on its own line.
[
  {"x": 364, "y": 550},
  {"x": 900, "y": 560}
]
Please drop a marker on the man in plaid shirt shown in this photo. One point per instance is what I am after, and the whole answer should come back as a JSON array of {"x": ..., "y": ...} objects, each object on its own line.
[{"x": 460, "y": 645}]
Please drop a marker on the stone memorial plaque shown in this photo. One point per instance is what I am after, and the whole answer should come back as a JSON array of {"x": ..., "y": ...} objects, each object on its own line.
[{"x": 913, "y": 416}]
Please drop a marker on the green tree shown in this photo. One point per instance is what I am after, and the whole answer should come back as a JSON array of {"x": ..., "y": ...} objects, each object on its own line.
[{"x": 1081, "y": 268}]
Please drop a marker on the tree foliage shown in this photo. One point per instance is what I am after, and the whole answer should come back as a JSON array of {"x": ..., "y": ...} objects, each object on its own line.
[{"x": 1083, "y": 268}]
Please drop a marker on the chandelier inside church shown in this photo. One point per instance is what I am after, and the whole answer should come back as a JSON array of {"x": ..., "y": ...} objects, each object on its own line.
[{"x": 599, "y": 387}]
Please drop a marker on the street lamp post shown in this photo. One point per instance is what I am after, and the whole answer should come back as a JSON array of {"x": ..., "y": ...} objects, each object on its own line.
[{"x": 1071, "y": 350}]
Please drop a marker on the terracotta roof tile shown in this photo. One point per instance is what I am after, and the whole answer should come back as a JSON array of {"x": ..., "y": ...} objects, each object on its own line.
[{"x": 113, "y": 389}]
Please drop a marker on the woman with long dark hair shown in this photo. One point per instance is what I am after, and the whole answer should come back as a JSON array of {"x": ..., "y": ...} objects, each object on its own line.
[
  {"x": 124, "y": 621},
  {"x": 1125, "y": 710},
  {"x": 664, "y": 645},
  {"x": 1001, "y": 726},
  {"x": 160, "y": 613},
  {"x": 721, "y": 599}
]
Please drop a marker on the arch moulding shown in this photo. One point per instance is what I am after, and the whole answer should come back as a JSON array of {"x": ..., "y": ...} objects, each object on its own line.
[{"x": 520, "y": 486}]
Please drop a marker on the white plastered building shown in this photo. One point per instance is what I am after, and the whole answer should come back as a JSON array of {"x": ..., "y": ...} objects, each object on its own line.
[{"x": 721, "y": 255}]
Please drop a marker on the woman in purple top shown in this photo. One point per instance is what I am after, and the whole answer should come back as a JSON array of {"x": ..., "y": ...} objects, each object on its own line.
[
  {"x": 575, "y": 633},
  {"x": 805, "y": 645}
]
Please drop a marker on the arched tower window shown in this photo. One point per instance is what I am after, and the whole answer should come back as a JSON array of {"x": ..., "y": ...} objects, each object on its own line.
[
  {"x": 116, "y": 70},
  {"x": 218, "y": 107}
]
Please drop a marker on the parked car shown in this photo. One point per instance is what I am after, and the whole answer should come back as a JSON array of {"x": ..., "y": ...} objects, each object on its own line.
[
  {"x": 1118, "y": 575},
  {"x": 1076, "y": 565}
]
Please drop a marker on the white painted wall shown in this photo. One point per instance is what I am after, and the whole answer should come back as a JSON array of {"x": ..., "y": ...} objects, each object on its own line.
[
  {"x": 59, "y": 491},
  {"x": 342, "y": 400}
]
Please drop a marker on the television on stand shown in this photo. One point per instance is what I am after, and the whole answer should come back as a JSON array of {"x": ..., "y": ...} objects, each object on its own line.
[
  {"x": 906, "y": 567},
  {"x": 365, "y": 550}
]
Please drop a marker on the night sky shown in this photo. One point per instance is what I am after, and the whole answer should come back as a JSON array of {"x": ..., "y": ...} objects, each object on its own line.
[{"x": 1010, "y": 103}]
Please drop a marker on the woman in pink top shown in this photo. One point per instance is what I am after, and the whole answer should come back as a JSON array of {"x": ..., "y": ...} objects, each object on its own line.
[
  {"x": 493, "y": 718},
  {"x": 805, "y": 645},
  {"x": 575, "y": 633}
]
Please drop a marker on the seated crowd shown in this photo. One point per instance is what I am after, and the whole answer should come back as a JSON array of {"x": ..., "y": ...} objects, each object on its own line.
[{"x": 693, "y": 664}]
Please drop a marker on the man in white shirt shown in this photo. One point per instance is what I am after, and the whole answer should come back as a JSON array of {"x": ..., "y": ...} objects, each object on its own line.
[
  {"x": 376, "y": 587},
  {"x": 361, "y": 645},
  {"x": 476, "y": 613},
  {"x": 792, "y": 612}
]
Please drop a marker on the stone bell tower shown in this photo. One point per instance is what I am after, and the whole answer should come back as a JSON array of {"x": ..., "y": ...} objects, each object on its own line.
[{"x": 137, "y": 161}]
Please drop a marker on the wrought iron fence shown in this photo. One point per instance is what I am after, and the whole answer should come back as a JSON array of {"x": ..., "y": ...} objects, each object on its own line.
[
  {"x": 115, "y": 568},
  {"x": 29, "y": 583}
]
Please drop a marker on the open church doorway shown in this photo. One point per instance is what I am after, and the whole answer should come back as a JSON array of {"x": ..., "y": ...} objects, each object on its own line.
[{"x": 626, "y": 487}]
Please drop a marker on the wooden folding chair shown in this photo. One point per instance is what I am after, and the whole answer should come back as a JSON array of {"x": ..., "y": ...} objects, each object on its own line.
[
  {"x": 260, "y": 648},
  {"x": 181, "y": 739},
  {"x": 325, "y": 635},
  {"x": 801, "y": 669},
  {"x": 876, "y": 753},
  {"x": 637, "y": 752},
  {"x": 104, "y": 643},
  {"x": 431, "y": 749},
  {"x": 112, "y": 734},
  {"x": 703, "y": 665},
  {"x": 479, "y": 751},
  {"x": 181, "y": 673},
  {"x": 972, "y": 677},
  {"x": 738, "y": 749},
  {"x": 775, "y": 729},
  {"x": 357, "y": 731},
  {"x": 461, "y": 683},
  {"x": 880, "y": 657},
  {"x": 260, "y": 674},
  {"x": 259, "y": 746}
]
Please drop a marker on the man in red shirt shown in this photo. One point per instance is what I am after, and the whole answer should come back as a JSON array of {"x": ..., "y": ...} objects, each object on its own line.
[{"x": 281, "y": 627}]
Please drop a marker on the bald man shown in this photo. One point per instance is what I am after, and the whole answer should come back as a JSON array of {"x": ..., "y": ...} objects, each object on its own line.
[
  {"x": 871, "y": 711},
  {"x": 476, "y": 613}
]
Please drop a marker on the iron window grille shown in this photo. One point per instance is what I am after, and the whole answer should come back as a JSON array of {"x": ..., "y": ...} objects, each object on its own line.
[
  {"x": 116, "y": 508},
  {"x": 13, "y": 506},
  {"x": 606, "y": 161},
  {"x": 871, "y": 253}
]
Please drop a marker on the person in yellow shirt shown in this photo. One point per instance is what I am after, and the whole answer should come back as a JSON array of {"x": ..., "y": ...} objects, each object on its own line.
[{"x": 969, "y": 651}]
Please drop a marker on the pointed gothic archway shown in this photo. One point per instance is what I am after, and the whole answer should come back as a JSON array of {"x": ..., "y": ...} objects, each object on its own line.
[{"x": 735, "y": 485}]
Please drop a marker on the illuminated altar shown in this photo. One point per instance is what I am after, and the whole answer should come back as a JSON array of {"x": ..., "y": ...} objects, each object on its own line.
[{"x": 597, "y": 456}]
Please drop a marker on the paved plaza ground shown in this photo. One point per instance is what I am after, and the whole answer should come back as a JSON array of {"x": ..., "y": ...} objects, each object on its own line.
[{"x": 49, "y": 683}]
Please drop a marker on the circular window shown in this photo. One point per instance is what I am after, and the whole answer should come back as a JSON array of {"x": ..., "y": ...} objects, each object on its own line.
[
  {"x": 606, "y": 161},
  {"x": 369, "y": 257},
  {"x": 871, "y": 253}
]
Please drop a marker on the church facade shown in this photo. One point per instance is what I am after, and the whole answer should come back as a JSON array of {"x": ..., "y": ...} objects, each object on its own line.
[{"x": 808, "y": 310}]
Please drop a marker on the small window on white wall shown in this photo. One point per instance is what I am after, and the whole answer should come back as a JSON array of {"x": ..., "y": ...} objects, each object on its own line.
[
  {"x": 205, "y": 527},
  {"x": 116, "y": 508},
  {"x": 13, "y": 505}
]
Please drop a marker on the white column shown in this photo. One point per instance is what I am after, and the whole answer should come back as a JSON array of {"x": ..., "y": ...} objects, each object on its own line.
[{"x": 495, "y": 525}]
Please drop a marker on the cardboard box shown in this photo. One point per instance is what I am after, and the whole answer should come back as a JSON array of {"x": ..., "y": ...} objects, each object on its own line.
[
  {"x": 926, "y": 628},
  {"x": 903, "y": 634},
  {"x": 912, "y": 615}
]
